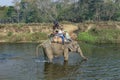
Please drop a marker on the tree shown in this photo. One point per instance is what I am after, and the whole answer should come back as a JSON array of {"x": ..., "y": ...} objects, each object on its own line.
[{"x": 17, "y": 8}]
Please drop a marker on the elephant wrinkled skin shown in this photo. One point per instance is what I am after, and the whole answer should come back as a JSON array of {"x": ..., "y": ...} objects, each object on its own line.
[{"x": 52, "y": 50}]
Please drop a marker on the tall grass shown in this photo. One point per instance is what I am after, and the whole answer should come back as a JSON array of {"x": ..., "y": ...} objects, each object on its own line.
[
  {"x": 87, "y": 37},
  {"x": 27, "y": 37},
  {"x": 100, "y": 36}
]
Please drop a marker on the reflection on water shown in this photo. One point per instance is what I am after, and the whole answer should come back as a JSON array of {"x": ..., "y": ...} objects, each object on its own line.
[
  {"x": 18, "y": 62},
  {"x": 58, "y": 71}
]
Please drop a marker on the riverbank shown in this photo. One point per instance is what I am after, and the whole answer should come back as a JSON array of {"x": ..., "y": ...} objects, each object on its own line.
[
  {"x": 33, "y": 32},
  {"x": 15, "y": 33},
  {"x": 100, "y": 32}
]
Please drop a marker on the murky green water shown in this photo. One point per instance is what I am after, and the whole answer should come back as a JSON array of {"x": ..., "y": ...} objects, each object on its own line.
[{"x": 19, "y": 62}]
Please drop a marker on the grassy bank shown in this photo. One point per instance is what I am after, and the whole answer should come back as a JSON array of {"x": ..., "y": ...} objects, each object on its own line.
[
  {"x": 23, "y": 37},
  {"x": 14, "y": 33},
  {"x": 100, "y": 32},
  {"x": 32, "y": 32},
  {"x": 100, "y": 36}
]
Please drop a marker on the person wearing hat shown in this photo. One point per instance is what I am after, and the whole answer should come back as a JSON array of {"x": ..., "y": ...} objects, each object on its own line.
[{"x": 56, "y": 25}]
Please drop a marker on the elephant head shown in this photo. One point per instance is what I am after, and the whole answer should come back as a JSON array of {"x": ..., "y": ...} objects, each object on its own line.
[
  {"x": 52, "y": 50},
  {"x": 75, "y": 47}
]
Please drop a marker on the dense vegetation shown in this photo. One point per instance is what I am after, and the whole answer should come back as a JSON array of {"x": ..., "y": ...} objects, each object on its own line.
[
  {"x": 27, "y": 11},
  {"x": 100, "y": 36}
]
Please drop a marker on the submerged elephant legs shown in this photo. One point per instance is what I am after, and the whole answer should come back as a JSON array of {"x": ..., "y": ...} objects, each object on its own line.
[
  {"x": 66, "y": 54},
  {"x": 50, "y": 53}
]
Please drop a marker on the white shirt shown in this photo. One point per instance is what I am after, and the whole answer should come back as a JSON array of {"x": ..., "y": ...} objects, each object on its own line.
[
  {"x": 60, "y": 32},
  {"x": 67, "y": 36}
]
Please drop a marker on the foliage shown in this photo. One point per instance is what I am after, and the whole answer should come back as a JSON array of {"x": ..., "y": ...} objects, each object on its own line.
[
  {"x": 86, "y": 36},
  {"x": 27, "y": 37},
  {"x": 100, "y": 36},
  {"x": 9, "y": 34},
  {"x": 108, "y": 35},
  {"x": 38, "y": 36},
  {"x": 29, "y": 11}
]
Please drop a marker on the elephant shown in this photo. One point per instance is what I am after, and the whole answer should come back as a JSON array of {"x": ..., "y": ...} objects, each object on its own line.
[{"x": 52, "y": 50}]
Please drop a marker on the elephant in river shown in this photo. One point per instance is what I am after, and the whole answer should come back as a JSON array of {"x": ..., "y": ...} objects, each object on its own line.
[{"x": 52, "y": 50}]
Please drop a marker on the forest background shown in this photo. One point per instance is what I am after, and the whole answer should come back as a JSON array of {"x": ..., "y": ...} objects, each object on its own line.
[{"x": 37, "y": 11}]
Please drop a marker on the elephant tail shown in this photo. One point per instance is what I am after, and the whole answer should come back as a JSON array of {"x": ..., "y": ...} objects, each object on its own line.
[
  {"x": 42, "y": 46},
  {"x": 42, "y": 56}
]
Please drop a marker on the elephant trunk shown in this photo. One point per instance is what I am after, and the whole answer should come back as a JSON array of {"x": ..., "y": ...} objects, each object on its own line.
[{"x": 81, "y": 53}]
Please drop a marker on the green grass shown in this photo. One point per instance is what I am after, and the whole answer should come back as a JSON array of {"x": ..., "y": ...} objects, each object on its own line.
[
  {"x": 27, "y": 37},
  {"x": 100, "y": 36},
  {"x": 109, "y": 36},
  {"x": 86, "y": 36}
]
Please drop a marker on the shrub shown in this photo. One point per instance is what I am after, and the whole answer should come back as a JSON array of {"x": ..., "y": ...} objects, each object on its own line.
[
  {"x": 9, "y": 33},
  {"x": 86, "y": 36},
  {"x": 38, "y": 36},
  {"x": 100, "y": 36}
]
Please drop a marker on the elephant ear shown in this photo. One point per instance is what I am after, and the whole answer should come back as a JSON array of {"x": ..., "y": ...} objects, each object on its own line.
[
  {"x": 73, "y": 36},
  {"x": 74, "y": 46},
  {"x": 71, "y": 46}
]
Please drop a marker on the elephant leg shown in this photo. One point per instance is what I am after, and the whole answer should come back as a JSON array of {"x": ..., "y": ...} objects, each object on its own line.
[
  {"x": 49, "y": 54},
  {"x": 66, "y": 54}
]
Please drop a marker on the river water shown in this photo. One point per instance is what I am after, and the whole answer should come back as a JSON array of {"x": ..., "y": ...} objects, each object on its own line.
[{"x": 19, "y": 62}]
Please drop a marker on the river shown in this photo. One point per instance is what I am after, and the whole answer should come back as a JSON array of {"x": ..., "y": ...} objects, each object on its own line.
[{"x": 19, "y": 62}]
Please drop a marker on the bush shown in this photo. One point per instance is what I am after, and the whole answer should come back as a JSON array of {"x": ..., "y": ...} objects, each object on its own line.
[
  {"x": 86, "y": 36},
  {"x": 100, "y": 36},
  {"x": 9, "y": 33},
  {"x": 38, "y": 36}
]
